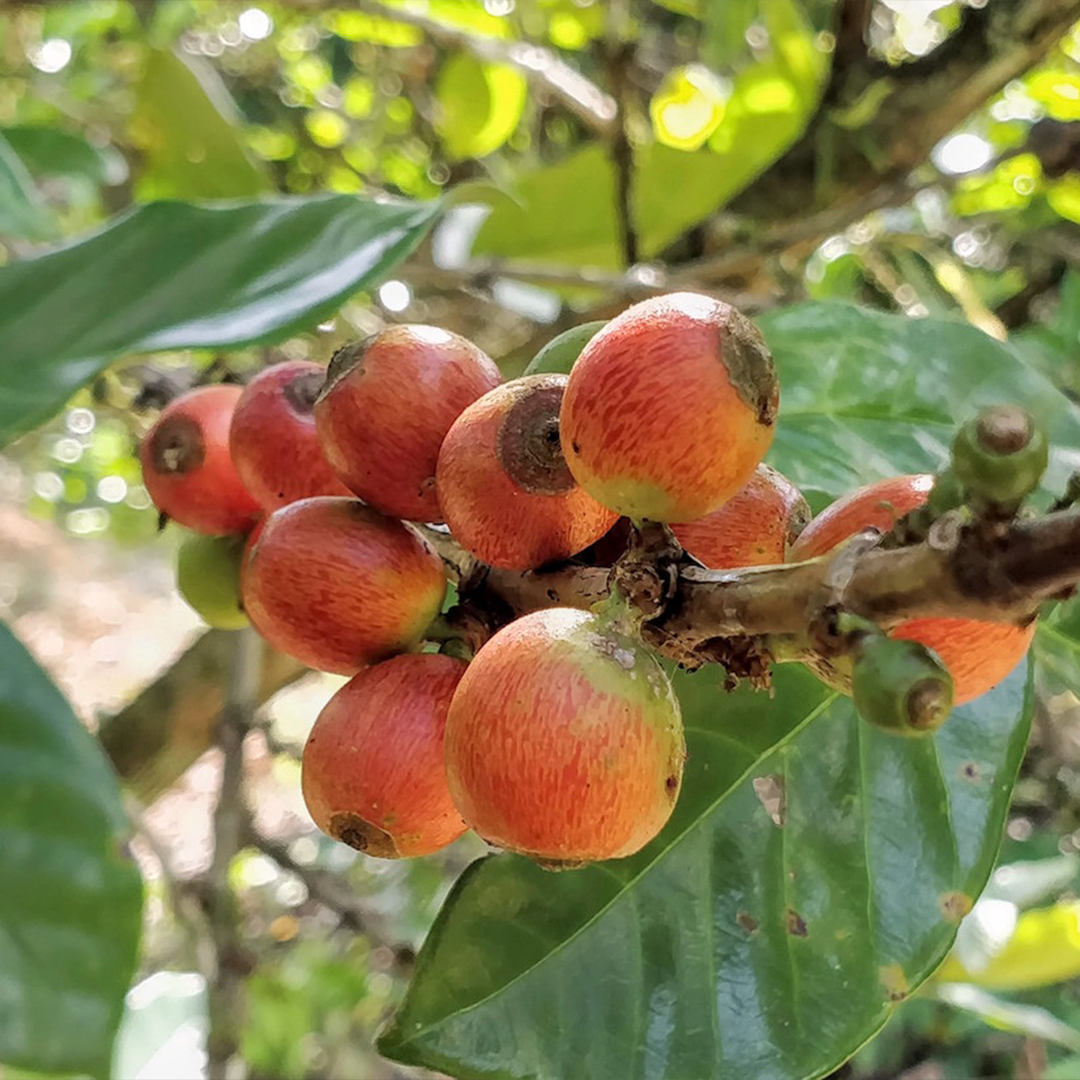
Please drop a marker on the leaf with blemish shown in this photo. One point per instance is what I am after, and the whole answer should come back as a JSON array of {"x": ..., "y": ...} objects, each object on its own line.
[
  {"x": 770, "y": 790},
  {"x": 730, "y": 946}
]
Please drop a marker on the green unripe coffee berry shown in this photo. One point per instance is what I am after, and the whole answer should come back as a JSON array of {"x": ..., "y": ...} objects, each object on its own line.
[
  {"x": 946, "y": 494},
  {"x": 900, "y": 686},
  {"x": 208, "y": 577},
  {"x": 1000, "y": 456},
  {"x": 559, "y": 355}
]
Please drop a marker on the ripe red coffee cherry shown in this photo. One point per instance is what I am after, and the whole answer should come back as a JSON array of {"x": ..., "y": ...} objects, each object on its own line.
[
  {"x": 670, "y": 408},
  {"x": 388, "y": 403},
  {"x": 272, "y": 438},
  {"x": 187, "y": 468},
  {"x": 978, "y": 655},
  {"x": 755, "y": 528},
  {"x": 564, "y": 740},
  {"x": 373, "y": 773},
  {"x": 503, "y": 484},
  {"x": 337, "y": 585}
]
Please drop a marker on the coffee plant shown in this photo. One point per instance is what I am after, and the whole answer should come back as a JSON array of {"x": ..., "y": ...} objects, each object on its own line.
[{"x": 705, "y": 586}]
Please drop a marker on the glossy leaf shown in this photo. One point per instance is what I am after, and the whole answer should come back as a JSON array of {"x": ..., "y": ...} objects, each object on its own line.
[
  {"x": 175, "y": 275},
  {"x": 186, "y": 125},
  {"x": 22, "y": 213},
  {"x": 1051, "y": 345},
  {"x": 813, "y": 875},
  {"x": 865, "y": 395},
  {"x": 71, "y": 900}
]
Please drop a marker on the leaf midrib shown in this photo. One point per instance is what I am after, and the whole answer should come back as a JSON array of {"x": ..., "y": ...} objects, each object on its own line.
[{"x": 822, "y": 706}]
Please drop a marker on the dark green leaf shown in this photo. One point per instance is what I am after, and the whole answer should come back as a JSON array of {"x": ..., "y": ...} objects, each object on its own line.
[
  {"x": 1052, "y": 345},
  {"x": 186, "y": 125},
  {"x": 22, "y": 213},
  {"x": 749, "y": 939},
  {"x": 865, "y": 395},
  {"x": 71, "y": 900},
  {"x": 175, "y": 275},
  {"x": 49, "y": 151}
]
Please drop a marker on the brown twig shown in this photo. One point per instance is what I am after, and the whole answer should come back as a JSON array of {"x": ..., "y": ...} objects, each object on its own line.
[
  {"x": 917, "y": 104},
  {"x": 618, "y": 54},
  {"x": 230, "y": 963},
  {"x": 955, "y": 575},
  {"x": 162, "y": 732},
  {"x": 334, "y": 893}
]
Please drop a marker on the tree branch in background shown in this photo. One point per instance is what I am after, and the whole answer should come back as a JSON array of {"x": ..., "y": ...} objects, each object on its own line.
[
  {"x": 743, "y": 259},
  {"x": 540, "y": 66},
  {"x": 618, "y": 56},
  {"x": 852, "y": 28},
  {"x": 230, "y": 964},
  {"x": 158, "y": 736},
  {"x": 333, "y": 892},
  {"x": 883, "y": 121}
]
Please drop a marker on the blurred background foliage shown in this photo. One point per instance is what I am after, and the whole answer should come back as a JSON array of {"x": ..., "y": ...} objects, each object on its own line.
[{"x": 106, "y": 104}]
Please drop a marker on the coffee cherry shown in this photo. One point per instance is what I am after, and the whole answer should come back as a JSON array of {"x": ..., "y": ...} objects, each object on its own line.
[
  {"x": 386, "y": 407},
  {"x": 670, "y": 408},
  {"x": 187, "y": 468},
  {"x": 560, "y": 354},
  {"x": 373, "y": 774},
  {"x": 755, "y": 528},
  {"x": 875, "y": 506},
  {"x": 503, "y": 484},
  {"x": 208, "y": 578},
  {"x": 564, "y": 740},
  {"x": 1000, "y": 456},
  {"x": 272, "y": 437},
  {"x": 978, "y": 655},
  {"x": 337, "y": 585},
  {"x": 900, "y": 686}
]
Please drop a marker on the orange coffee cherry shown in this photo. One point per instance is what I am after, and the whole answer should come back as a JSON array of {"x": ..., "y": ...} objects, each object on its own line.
[
  {"x": 187, "y": 468},
  {"x": 503, "y": 484},
  {"x": 670, "y": 408},
  {"x": 564, "y": 740},
  {"x": 373, "y": 774},
  {"x": 337, "y": 585},
  {"x": 978, "y": 655},
  {"x": 755, "y": 528}
]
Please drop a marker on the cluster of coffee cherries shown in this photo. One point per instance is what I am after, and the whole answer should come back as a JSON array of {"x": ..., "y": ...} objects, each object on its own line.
[{"x": 561, "y": 738}]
